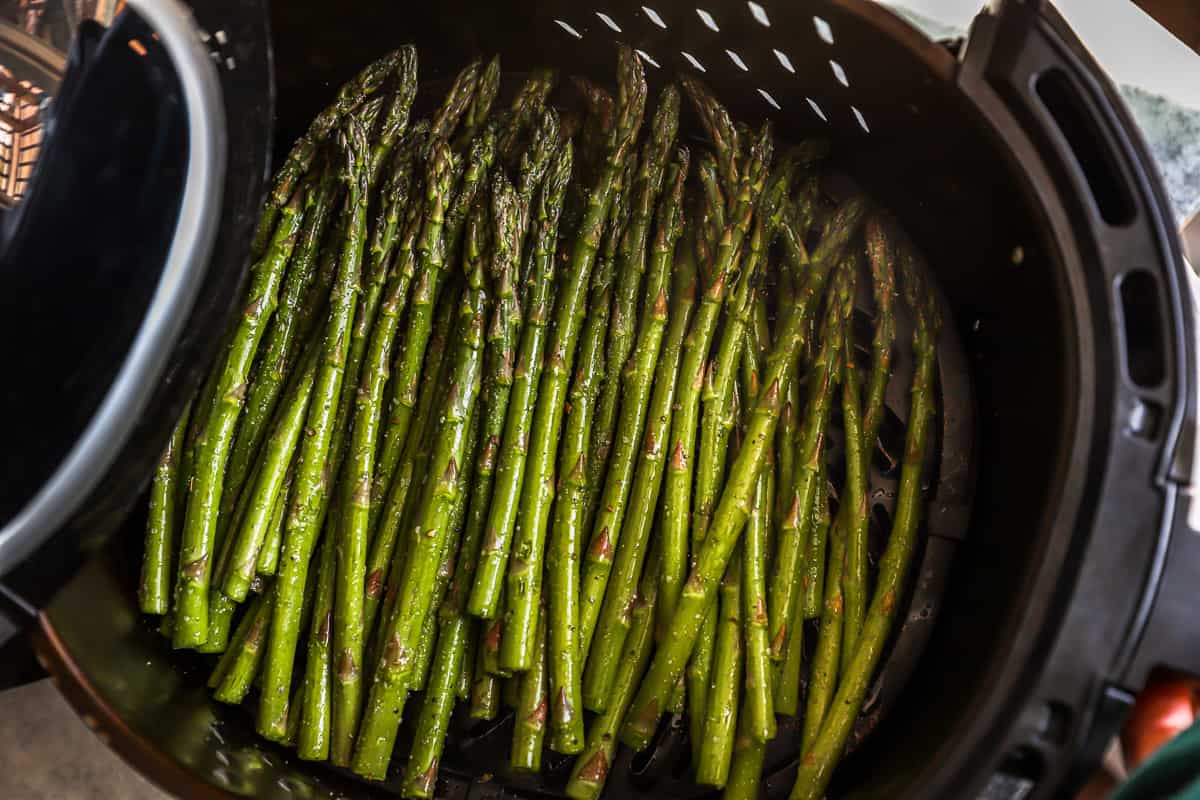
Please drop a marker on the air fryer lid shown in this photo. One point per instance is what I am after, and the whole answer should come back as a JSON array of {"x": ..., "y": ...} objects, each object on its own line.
[
  {"x": 112, "y": 275},
  {"x": 1032, "y": 209}
]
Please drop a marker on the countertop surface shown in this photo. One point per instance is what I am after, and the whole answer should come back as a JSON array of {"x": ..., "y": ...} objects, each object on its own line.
[{"x": 49, "y": 754}]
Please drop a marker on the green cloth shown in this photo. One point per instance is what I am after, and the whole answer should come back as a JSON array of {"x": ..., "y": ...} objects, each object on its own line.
[{"x": 1173, "y": 773}]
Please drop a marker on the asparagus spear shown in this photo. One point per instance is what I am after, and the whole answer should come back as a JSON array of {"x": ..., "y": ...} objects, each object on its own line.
[
  {"x": 816, "y": 767},
  {"x": 269, "y": 483},
  {"x": 674, "y": 526},
  {"x": 720, "y": 129},
  {"x": 417, "y": 462},
  {"x": 677, "y": 495},
  {"x": 531, "y": 97},
  {"x": 212, "y": 449},
  {"x": 562, "y": 557},
  {"x": 746, "y": 770},
  {"x": 447, "y": 568},
  {"x": 458, "y": 99},
  {"x": 480, "y": 108},
  {"x": 790, "y": 554},
  {"x": 591, "y": 767},
  {"x": 383, "y": 543},
  {"x": 529, "y": 731},
  {"x": 155, "y": 584},
  {"x": 546, "y": 415},
  {"x": 241, "y": 661},
  {"x": 525, "y": 574},
  {"x": 300, "y": 158},
  {"x": 353, "y": 533},
  {"x": 823, "y": 673},
  {"x": 485, "y": 686},
  {"x": 882, "y": 256},
  {"x": 451, "y": 659},
  {"x": 421, "y": 773},
  {"x": 643, "y": 496},
  {"x": 854, "y": 500},
  {"x": 732, "y": 511},
  {"x": 280, "y": 345},
  {"x": 787, "y": 687},
  {"x": 390, "y": 681},
  {"x": 312, "y": 740},
  {"x": 304, "y": 518},
  {"x": 716, "y": 750},
  {"x": 758, "y": 704},
  {"x": 655, "y": 152},
  {"x": 440, "y": 228},
  {"x": 513, "y": 444},
  {"x": 268, "y": 554}
]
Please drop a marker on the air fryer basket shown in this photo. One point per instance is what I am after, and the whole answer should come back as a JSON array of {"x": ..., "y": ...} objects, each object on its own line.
[{"x": 938, "y": 144}]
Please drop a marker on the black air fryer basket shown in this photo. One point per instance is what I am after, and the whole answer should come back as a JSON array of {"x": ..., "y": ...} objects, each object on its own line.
[{"x": 1056, "y": 565}]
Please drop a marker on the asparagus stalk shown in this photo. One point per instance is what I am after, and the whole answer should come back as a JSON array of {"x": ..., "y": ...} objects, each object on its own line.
[
  {"x": 513, "y": 443},
  {"x": 459, "y": 98},
  {"x": 212, "y": 449},
  {"x": 716, "y": 750},
  {"x": 720, "y": 129},
  {"x": 854, "y": 517},
  {"x": 816, "y": 767},
  {"x": 312, "y": 740},
  {"x": 155, "y": 584},
  {"x": 530, "y": 99},
  {"x": 269, "y": 483},
  {"x": 882, "y": 257},
  {"x": 745, "y": 772},
  {"x": 300, "y": 158},
  {"x": 353, "y": 533},
  {"x": 562, "y": 557},
  {"x": 591, "y": 768},
  {"x": 268, "y": 554},
  {"x": 656, "y": 150},
  {"x": 674, "y": 525},
  {"x": 823, "y": 673},
  {"x": 730, "y": 517},
  {"x": 660, "y": 365},
  {"x": 390, "y": 681},
  {"x": 485, "y": 686},
  {"x": 790, "y": 555},
  {"x": 383, "y": 544},
  {"x": 529, "y": 730},
  {"x": 240, "y": 663},
  {"x": 787, "y": 687},
  {"x": 525, "y": 574},
  {"x": 452, "y": 658},
  {"x": 280, "y": 345},
  {"x": 678, "y": 492},
  {"x": 304, "y": 518},
  {"x": 440, "y": 229},
  {"x": 421, "y": 772},
  {"x": 758, "y": 703},
  {"x": 448, "y": 567},
  {"x": 480, "y": 109}
]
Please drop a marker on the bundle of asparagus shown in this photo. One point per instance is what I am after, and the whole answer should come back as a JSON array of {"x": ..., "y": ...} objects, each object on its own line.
[{"x": 520, "y": 399}]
